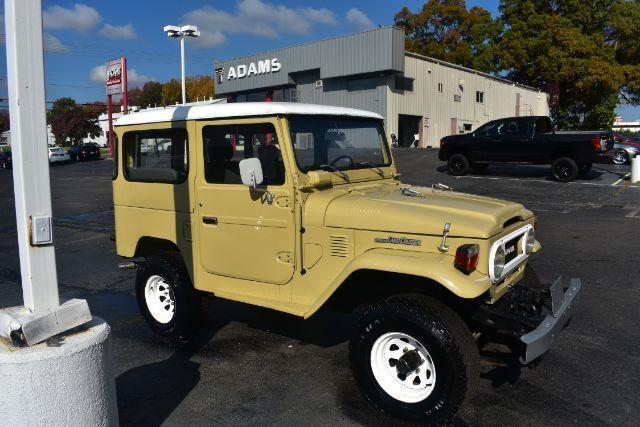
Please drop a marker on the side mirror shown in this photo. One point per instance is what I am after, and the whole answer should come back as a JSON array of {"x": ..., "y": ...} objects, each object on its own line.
[{"x": 251, "y": 172}]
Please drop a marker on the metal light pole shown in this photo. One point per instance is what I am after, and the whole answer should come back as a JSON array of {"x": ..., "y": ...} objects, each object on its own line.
[
  {"x": 182, "y": 32},
  {"x": 42, "y": 316}
]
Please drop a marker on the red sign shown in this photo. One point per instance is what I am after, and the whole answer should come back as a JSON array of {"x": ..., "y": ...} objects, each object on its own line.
[{"x": 113, "y": 76}]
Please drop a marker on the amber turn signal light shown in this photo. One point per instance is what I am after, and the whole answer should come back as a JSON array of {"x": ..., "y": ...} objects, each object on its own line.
[{"x": 467, "y": 258}]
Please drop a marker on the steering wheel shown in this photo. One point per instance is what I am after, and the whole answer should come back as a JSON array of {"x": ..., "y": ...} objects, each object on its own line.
[{"x": 334, "y": 161}]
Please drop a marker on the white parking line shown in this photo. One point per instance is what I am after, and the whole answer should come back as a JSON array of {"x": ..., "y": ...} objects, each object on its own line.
[
  {"x": 632, "y": 214},
  {"x": 621, "y": 179}
]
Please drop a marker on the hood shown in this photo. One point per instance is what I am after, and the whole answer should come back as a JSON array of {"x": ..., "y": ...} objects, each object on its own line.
[{"x": 384, "y": 208}]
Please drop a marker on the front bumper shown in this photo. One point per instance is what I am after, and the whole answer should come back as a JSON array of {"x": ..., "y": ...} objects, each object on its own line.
[
  {"x": 538, "y": 341},
  {"x": 533, "y": 315}
]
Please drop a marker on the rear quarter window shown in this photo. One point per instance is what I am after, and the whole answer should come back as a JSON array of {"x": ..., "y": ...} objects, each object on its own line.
[{"x": 156, "y": 156}]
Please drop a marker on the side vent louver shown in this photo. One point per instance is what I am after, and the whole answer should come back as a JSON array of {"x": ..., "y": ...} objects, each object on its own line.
[{"x": 339, "y": 246}]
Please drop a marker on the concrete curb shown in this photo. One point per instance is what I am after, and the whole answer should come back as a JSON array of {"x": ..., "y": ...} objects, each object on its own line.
[{"x": 65, "y": 381}]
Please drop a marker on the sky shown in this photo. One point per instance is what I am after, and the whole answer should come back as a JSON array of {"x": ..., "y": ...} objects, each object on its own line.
[{"x": 79, "y": 36}]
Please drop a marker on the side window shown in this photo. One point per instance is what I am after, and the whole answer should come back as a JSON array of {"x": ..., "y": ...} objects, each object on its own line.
[
  {"x": 493, "y": 129},
  {"x": 516, "y": 128},
  {"x": 543, "y": 125},
  {"x": 156, "y": 156},
  {"x": 225, "y": 146}
]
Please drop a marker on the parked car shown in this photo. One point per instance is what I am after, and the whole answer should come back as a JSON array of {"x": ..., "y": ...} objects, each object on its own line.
[
  {"x": 525, "y": 140},
  {"x": 82, "y": 152},
  {"x": 624, "y": 148},
  {"x": 295, "y": 223},
  {"x": 5, "y": 160},
  {"x": 57, "y": 154}
]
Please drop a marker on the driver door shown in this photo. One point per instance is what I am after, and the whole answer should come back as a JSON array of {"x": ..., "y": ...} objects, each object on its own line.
[{"x": 244, "y": 233}]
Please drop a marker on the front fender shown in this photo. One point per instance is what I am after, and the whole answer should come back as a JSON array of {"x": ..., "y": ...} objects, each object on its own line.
[{"x": 436, "y": 267}]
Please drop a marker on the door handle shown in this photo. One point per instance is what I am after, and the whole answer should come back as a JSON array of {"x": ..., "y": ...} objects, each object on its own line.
[{"x": 211, "y": 220}]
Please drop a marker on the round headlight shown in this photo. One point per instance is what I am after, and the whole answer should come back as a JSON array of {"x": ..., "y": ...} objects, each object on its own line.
[
  {"x": 531, "y": 241},
  {"x": 498, "y": 262}
]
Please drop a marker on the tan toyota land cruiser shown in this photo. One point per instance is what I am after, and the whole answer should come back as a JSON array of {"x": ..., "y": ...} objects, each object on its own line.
[{"x": 293, "y": 207}]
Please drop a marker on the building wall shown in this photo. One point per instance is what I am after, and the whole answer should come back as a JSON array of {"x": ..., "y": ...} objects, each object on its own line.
[{"x": 439, "y": 108}]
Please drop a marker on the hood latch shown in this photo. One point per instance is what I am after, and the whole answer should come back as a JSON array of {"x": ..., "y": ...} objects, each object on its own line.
[{"x": 443, "y": 247}]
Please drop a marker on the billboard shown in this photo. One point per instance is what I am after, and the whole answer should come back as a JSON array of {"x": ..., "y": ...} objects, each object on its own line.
[{"x": 114, "y": 72}]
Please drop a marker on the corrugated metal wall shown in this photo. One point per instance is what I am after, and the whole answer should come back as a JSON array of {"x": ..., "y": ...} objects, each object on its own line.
[
  {"x": 366, "y": 52},
  {"x": 439, "y": 108}
]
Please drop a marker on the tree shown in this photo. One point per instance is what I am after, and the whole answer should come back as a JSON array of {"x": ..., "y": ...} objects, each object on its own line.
[
  {"x": 71, "y": 123},
  {"x": 585, "y": 54},
  {"x": 133, "y": 95},
  {"x": 200, "y": 88},
  {"x": 446, "y": 30},
  {"x": 171, "y": 92},
  {"x": 150, "y": 95}
]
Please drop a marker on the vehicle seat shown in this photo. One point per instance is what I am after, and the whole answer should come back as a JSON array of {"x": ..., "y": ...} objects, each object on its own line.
[{"x": 272, "y": 166}]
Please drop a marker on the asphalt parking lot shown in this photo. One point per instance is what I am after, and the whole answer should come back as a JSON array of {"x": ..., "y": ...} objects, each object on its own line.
[{"x": 253, "y": 366}]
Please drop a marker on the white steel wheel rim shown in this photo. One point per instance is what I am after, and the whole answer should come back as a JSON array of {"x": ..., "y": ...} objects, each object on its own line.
[
  {"x": 416, "y": 385},
  {"x": 159, "y": 299}
]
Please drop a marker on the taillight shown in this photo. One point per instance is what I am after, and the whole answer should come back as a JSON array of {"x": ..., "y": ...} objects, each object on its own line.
[
  {"x": 596, "y": 142},
  {"x": 467, "y": 258}
]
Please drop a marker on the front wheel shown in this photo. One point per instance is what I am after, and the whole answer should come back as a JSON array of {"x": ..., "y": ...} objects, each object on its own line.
[
  {"x": 458, "y": 165},
  {"x": 169, "y": 304},
  {"x": 564, "y": 169},
  {"x": 414, "y": 358}
]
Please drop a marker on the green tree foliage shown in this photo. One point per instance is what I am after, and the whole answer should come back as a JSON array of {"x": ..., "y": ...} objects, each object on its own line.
[
  {"x": 586, "y": 55},
  {"x": 171, "y": 92},
  {"x": 150, "y": 95},
  {"x": 446, "y": 30},
  {"x": 71, "y": 123}
]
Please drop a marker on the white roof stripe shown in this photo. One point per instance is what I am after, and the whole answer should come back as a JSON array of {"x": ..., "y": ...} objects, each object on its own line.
[{"x": 239, "y": 109}]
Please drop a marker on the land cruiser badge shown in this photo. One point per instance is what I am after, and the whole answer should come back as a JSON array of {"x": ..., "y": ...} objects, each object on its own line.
[{"x": 398, "y": 241}]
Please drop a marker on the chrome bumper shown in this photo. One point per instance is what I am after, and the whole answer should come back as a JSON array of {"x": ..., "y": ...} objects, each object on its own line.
[{"x": 538, "y": 341}]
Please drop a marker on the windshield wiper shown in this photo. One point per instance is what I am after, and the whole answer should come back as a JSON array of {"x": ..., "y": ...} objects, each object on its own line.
[
  {"x": 372, "y": 166},
  {"x": 336, "y": 171}
]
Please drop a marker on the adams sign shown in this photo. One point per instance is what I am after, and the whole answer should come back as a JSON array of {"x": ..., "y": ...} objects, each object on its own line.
[{"x": 266, "y": 66}]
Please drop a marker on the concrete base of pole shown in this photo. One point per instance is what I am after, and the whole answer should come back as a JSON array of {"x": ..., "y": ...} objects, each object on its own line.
[
  {"x": 67, "y": 380},
  {"x": 635, "y": 169}
]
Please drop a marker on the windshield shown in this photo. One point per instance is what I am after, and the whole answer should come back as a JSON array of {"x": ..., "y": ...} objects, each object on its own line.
[{"x": 342, "y": 143}]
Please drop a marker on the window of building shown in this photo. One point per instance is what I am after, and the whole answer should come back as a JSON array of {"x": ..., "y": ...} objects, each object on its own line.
[
  {"x": 156, "y": 156},
  {"x": 457, "y": 97},
  {"x": 468, "y": 127},
  {"x": 480, "y": 97},
  {"x": 440, "y": 87},
  {"x": 225, "y": 146},
  {"x": 285, "y": 95},
  {"x": 356, "y": 85},
  {"x": 404, "y": 83}
]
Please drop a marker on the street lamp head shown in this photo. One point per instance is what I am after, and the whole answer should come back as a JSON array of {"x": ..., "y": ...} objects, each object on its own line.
[{"x": 190, "y": 31}]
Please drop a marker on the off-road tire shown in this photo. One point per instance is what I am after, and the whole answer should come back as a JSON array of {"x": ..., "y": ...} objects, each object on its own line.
[
  {"x": 445, "y": 336},
  {"x": 458, "y": 165},
  {"x": 190, "y": 305},
  {"x": 564, "y": 169}
]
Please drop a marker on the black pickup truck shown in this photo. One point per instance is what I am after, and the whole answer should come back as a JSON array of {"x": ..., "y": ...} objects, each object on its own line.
[{"x": 529, "y": 139}]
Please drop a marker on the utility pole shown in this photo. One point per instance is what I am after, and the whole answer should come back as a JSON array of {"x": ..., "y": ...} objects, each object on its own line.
[
  {"x": 72, "y": 382},
  {"x": 42, "y": 316}
]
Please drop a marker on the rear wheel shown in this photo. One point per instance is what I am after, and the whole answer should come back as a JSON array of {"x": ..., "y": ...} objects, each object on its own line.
[
  {"x": 169, "y": 304},
  {"x": 414, "y": 358},
  {"x": 458, "y": 164},
  {"x": 620, "y": 157},
  {"x": 564, "y": 169}
]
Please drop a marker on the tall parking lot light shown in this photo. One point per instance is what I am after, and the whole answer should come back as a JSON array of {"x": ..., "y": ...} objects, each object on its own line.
[{"x": 175, "y": 32}]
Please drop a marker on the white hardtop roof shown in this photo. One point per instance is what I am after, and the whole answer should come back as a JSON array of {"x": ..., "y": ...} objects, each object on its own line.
[{"x": 237, "y": 109}]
